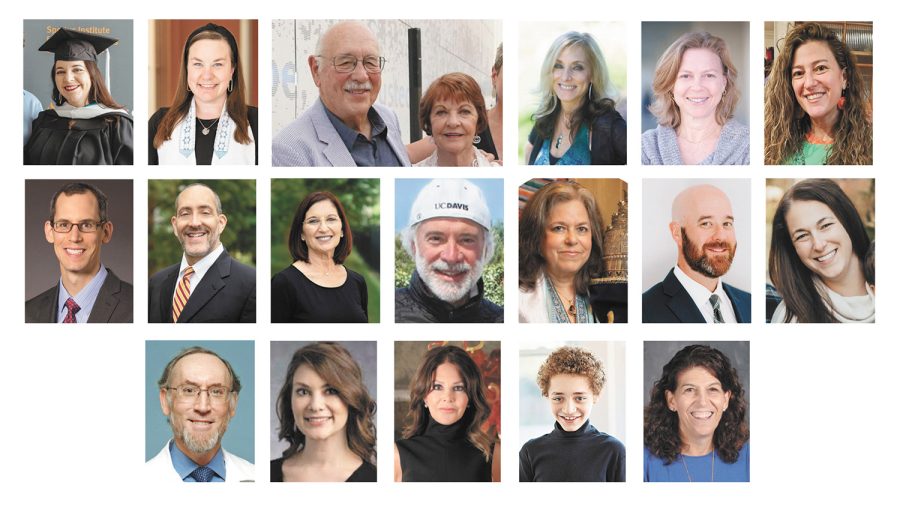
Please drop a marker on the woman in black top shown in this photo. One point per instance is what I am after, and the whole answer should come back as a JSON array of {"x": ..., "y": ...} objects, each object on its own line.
[
  {"x": 317, "y": 287},
  {"x": 572, "y": 378},
  {"x": 209, "y": 122},
  {"x": 444, "y": 440},
  {"x": 325, "y": 413}
]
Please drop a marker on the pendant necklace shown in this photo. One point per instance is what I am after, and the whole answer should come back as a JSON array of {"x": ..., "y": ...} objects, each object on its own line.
[
  {"x": 570, "y": 310},
  {"x": 712, "y": 474},
  {"x": 205, "y": 130}
]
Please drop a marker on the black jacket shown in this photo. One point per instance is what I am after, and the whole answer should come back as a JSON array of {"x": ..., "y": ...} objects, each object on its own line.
[
  {"x": 113, "y": 304},
  {"x": 416, "y": 304}
]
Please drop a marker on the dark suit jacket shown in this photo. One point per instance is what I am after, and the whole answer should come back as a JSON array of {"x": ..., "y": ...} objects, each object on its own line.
[
  {"x": 226, "y": 294},
  {"x": 669, "y": 302},
  {"x": 114, "y": 303}
]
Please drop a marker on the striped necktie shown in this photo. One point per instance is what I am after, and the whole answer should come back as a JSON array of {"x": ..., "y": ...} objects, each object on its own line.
[
  {"x": 717, "y": 309},
  {"x": 182, "y": 293}
]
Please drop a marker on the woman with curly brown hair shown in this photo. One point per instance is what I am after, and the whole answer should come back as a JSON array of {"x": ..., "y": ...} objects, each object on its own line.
[
  {"x": 327, "y": 416},
  {"x": 444, "y": 440},
  {"x": 817, "y": 107},
  {"x": 695, "y": 426},
  {"x": 571, "y": 379}
]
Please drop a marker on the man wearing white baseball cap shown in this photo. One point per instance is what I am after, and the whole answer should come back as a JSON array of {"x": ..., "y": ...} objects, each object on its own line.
[{"x": 449, "y": 237}]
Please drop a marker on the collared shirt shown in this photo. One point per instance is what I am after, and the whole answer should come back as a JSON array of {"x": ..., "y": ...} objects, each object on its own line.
[
  {"x": 700, "y": 295},
  {"x": 85, "y": 298},
  {"x": 367, "y": 153},
  {"x": 184, "y": 466},
  {"x": 200, "y": 268}
]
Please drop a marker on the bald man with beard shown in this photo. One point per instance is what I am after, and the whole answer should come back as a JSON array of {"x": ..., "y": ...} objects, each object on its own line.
[{"x": 702, "y": 227}]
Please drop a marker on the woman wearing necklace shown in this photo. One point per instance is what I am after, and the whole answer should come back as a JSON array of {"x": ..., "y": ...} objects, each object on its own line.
[
  {"x": 816, "y": 261},
  {"x": 326, "y": 415},
  {"x": 560, "y": 246},
  {"x": 444, "y": 440},
  {"x": 209, "y": 122},
  {"x": 818, "y": 111},
  {"x": 571, "y": 379},
  {"x": 695, "y": 426},
  {"x": 317, "y": 288},
  {"x": 694, "y": 97},
  {"x": 451, "y": 112},
  {"x": 576, "y": 122}
]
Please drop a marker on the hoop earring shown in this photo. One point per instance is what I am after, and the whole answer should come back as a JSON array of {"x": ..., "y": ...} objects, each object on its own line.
[
  {"x": 230, "y": 85},
  {"x": 842, "y": 102},
  {"x": 476, "y": 139},
  {"x": 591, "y": 91}
]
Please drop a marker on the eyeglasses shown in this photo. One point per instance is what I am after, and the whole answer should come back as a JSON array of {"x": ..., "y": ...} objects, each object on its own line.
[
  {"x": 85, "y": 227},
  {"x": 346, "y": 63},
  {"x": 190, "y": 393}
]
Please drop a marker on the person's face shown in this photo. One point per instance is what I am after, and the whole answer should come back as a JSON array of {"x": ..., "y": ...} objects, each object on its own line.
[
  {"x": 78, "y": 252},
  {"x": 706, "y": 239},
  {"x": 73, "y": 82},
  {"x": 453, "y": 125},
  {"x": 448, "y": 256},
  {"x": 571, "y": 400},
  {"x": 821, "y": 241},
  {"x": 198, "y": 424},
  {"x": 571, "y": 75},
  {"x": 209, "y": 70},
  {"x": 699, "y": 401},
  {"x": 447, "y": 401},
  {"x": 322, "y": 228},
  {"x": 348, "y": 95},
  {"x": 567, "y": 238},
  {"x": 319, "y": 412},
  {"x": 699, "y": 83},
  {"x": 196, "y": 223},
  {"x": 817, "y": 80}
]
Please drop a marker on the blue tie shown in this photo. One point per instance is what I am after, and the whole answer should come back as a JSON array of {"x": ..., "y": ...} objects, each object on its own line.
[{"x": 203, "y": 474}]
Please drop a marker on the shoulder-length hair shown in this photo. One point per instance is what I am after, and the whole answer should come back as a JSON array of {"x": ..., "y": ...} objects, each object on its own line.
[
  {"x": 422, "y": 384},
  {"x": 791, "y": 278},
  {"x": 454, "y": 86},
  {"x": 787, "y": 124},
  {"x": 299, "y": 249},
  {"x": 664, "y": 107},
  {"x": 661, "y": 434},
  {"x": 181, "y": 102},
  {"x": 533, "y": 227},
  {"x": 334, "y": 364},
  {"x": 98, "y": 92},
  {"x": 598, "y": 99}
]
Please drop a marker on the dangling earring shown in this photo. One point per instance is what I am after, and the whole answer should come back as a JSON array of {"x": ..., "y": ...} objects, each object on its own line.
[
  {"x": 230, "y": 85},
  {"x": 724, "y": 92},
  {"x": 842, "y": 101},
  {"x": 476, "y": 139},
  {"x": 591, "y": 91}
]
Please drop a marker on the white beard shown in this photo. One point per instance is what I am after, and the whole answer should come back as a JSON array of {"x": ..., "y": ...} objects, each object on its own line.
[
  {"x": 448, "y": 291},
  {"x": 198, "y": 445}
]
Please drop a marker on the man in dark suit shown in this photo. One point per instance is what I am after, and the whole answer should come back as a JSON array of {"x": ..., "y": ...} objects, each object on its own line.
[
  {"x": 208, "y": 286},
  {"x": 87, "y": 291},
  {"x": 703, "y": 229}
]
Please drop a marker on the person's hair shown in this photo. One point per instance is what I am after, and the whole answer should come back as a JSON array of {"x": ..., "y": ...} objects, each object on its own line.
[
  {"x": 98, "y": 92},
  {"x": 299, "y": 249},
  {"x": 422, "y": 382},
  {"x": 533, "y": 227},
  {"x": 664, "y": 107},
  {"x": 786, "y": 123},
  {"x": 869, "y": 264},
  {"x": 167, "y": 372},
  {"x": 597, "y": 101},
  {"x": 79, "y": 189},
  {"x": 457, "y": 87},
  {"x": 572, "y": 360},
  {"x": 498, "y": 59},
  {"x": 215, "y": 196},
  {"x": 408, "y": 239},
  {"x": 181, "y": 102},
  {"x": 337, "y": 368},
  {"x": 791, "y": 278},
  {"x": 661, "y": 432}
]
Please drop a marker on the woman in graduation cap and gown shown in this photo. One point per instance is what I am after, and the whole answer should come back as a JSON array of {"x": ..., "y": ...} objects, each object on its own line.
[
  {"x": 85, "y": 126},
  {"x": 209, "y": 123}
]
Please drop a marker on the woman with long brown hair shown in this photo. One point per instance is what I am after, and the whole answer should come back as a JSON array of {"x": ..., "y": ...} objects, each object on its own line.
[{"x": 209, "y": 122}]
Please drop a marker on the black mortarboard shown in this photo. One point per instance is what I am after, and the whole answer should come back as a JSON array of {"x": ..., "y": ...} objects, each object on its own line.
[{"x": 71, "y": 45}]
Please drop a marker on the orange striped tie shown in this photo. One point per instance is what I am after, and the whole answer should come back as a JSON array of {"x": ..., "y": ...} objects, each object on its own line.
[{"x": 182, "y": 293}]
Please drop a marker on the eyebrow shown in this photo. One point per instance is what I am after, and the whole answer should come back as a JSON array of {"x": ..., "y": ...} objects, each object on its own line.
[
  {"x": 819, "y": 222},
  {"x": 194, "y": 58},
  {"x": 710, "y": 217},
  {"x": 563, "y": 393},
  {"x": 813, "y": 63}
]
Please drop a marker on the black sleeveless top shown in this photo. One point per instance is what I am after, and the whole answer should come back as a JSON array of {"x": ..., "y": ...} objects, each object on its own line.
[
  {"x": 443, "y": 453},
  {"x": 365, "y": 472}
]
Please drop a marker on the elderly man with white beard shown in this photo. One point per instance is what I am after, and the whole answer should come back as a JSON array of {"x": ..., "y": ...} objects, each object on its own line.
[
  {"x": 198, "y": 392},
  {"x": 449, "y": 236}
]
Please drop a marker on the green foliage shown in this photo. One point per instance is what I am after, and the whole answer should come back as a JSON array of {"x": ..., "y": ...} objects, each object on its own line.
[{"x": 238, "y": 198}]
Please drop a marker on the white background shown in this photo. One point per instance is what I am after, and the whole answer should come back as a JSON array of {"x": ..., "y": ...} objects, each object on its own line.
[{"x": 824, "y": 395}]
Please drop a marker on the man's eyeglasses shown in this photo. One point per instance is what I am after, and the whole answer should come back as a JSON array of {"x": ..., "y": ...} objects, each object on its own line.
[
  {"x": 85, "y": 227},
  {"x": 346, "y": 63},
  {"x": 190, "y": 393}
]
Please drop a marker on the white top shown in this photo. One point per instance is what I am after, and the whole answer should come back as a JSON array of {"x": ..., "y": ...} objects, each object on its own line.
[
  {"x": 200, "y": 268},
  {"x": 700, "y": 295},
  {"x": 854, "y": 309}
]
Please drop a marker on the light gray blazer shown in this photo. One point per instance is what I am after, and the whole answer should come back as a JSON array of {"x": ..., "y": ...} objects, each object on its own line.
[
  {"x": 312, "y": 141},
  {"x": 660, "y": 146}
]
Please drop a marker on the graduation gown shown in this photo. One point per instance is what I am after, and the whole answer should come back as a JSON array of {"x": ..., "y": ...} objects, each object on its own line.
[{"x": 93, "y": 135}]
